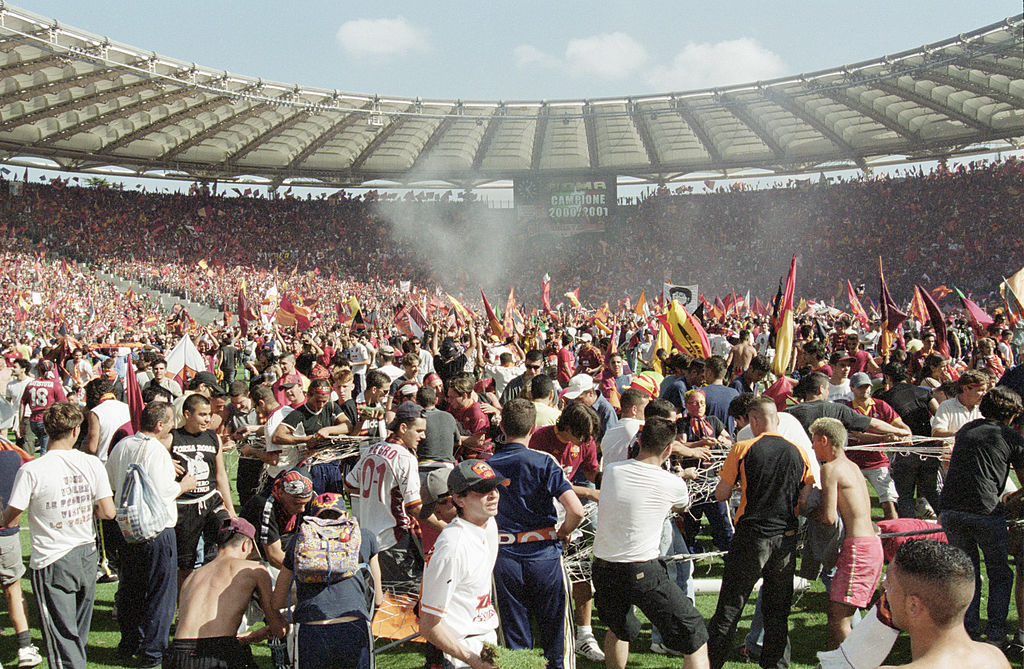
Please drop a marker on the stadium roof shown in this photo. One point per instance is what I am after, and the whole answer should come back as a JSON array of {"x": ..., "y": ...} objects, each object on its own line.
[{"x": 91, "y": 104}]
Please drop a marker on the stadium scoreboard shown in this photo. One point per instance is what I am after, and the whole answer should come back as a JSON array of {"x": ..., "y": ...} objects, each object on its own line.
[{"x": 565, "y": 205}]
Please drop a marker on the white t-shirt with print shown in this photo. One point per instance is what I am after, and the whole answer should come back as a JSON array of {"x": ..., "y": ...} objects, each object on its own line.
[
  {"x": 58, "y": 492},
  {"x": 457, "y": 582},
  {"x": 289, "y": 453}
]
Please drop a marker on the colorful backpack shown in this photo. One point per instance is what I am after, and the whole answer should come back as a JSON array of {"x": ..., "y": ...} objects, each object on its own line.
[{"x": 327, "y": 549}]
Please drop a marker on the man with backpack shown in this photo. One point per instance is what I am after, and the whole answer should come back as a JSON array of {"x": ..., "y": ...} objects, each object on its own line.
[
  {"x": 332, "y": 562},
  {"x": 207, "y": 635},
  {"x": 148, "y": 575}
]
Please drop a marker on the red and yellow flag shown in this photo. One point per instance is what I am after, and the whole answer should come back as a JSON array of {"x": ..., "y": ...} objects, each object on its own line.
[{"x": 784, "y": 331}]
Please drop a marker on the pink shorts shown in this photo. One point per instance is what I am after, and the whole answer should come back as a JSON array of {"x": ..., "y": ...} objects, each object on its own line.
[{"x": 857, "y": 571}]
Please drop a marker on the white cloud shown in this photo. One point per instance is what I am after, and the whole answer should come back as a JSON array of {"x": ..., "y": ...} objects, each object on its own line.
[
  {"x": 608, "y": 56},
  {"x": 382, "y": 37},
  {"x": 728, "y": 62}
]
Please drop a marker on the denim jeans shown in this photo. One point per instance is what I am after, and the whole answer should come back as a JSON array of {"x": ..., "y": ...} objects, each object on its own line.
[
  {"x": 42, "y": 439},
  {"x": 969, "y": 532}
]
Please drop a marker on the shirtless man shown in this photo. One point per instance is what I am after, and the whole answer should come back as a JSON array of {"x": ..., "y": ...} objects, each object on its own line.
[
  {"x": 845, "y": 494},
  {"x": 210, "y": 633},
  {"x": 740, "y": 355},
  {"x": 929, "y": 586}
]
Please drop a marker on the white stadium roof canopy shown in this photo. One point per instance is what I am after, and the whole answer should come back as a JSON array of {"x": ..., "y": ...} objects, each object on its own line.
[{"x": 93, "y": 105}]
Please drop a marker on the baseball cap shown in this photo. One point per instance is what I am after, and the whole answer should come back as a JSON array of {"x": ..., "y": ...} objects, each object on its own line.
[
  {"x": 860, "y": 379},
  {"x": 209, "y": 379},
  {"x": 405, "y": 411},
  {"x": 386, "y": 349},
  {"x": 849, "y": 360},
  {"x": 433, "y": 490},
  {"x": 578, "y": 385},
  {"x": 475, "y": 475},
  {"x": 328, "y": 503},
  {"x": 290, "y": 384},
  {"x": 586, "y": 337},
  {"x": 237, "y": 525}
]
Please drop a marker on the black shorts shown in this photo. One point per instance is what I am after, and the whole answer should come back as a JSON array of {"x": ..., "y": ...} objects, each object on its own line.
[
  {"x": 222, "y": 652},
  {"x": 203, "y": 518},
  {"x": 618, "y": 586}
]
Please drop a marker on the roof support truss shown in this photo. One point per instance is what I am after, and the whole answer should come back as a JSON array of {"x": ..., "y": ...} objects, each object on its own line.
[
  {"x": 640, "y": 121},
  {"x": 791, "y": 105},
  {"x": 935, "y": 105},
  {"x": 260, "y": 137},
  {"x": 699, "y": 130},
  {"x": 740, "y": 111},
  {"x": 844, "y": 97},
  {"x": 381, "y": 137},
  {"x": 345, "y": 122}
]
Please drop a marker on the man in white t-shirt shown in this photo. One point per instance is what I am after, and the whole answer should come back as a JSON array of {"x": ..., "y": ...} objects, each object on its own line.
[
  {"x": 616, "y": 441},
  {"x": 386, "y": 480},
  {"x": 957, "y": 411},
  {"x": 276, "y": 457},
  {"x": 636, "y": 496},
  {"x": 62, "y": 491},
  {"x": 147, "y": 590},
  {"x": 457, "y": 613}
]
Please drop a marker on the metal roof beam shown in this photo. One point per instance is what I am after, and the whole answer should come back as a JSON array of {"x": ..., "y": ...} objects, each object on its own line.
[
  {"x": 538, "y": 137},
  {"x": 346, "y": 121},
  {"x": 23, "y": 66},
  {"x": 202, "y": 135},
  {"x": 485, "y": 142},
  {"x": 964, "y": 84},
  {"x": 699, "y": 131},
  {"x": 432, "y": 141},
  {"x": 157, "y": 126},
  {"x": 381, "y": 137},
  {"x": 260, "y": 137},
  {"x": 991, "y": 67},
  {"x": 790, "y": 104},
  {"x": 935, "y": 105},
  {"x": 845, "y": 98},
  {"x": 76, "y": 81},
  {"x": 589, "y": 125},
  {"x": 740, "y": 111},
  {"x": 640, "y": 121},
  {"x": 100, "y": 119}
]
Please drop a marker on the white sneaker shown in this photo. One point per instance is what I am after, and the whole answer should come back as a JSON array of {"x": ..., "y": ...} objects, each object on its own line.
[
  {"x": 664, "y": 650},
  {"x": 590, "y": 649},
  {"x": 29, "y": 656}
]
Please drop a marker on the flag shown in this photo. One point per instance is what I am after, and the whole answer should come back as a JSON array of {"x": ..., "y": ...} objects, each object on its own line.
[
  {"x": 941, "y": 291},
  {"x": 1011, "y": 298},
  {"x": 784, "y": 330},
  {"x": 133, "y": 395},
  {"x": 245, "y": 313},
  {"x": 917, "y": 307},
  {"x": 510, "y": 308},
  {"x": 417, "y": 322},
  {"x": 937, "y": 319},
  {"x": 202, "y": 264},
  {"x": 492, "y": 319},
  {"x": 545, "y": 293},
  {"x": 892, "y": 317},
  {"x": 461, "y": 311},
  {"x": 574, "y": 297},
  {"x": 184, "y": 361},
  {"x": 979, "y": 319},
  {"x": 641, "y": 308},
  {"x": 130, "y": 294},
  {"x": 290, "y": 314},
  {"x": 684, "y": 331},
  {"x": 855, "y": 306},
  {"x": 760, "y": 309}
]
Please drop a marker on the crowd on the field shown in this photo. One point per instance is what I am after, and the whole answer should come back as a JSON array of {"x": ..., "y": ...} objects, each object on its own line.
[{"x": 472, "y": 458}]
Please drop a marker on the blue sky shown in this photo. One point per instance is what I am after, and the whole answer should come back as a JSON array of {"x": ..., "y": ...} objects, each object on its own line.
[{"x": 524, "y": 49}]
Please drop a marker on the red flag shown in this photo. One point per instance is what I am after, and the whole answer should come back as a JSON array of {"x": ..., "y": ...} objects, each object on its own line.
[
  {"x": 937, "y": 319},
  {"x": 979, "y": 319},
  {"x": 492, "y": 319},
  {"x": 243, "y": 309},
  {"x": 917, "y": 306},
  {"x": 892, "y": 317},
  {"x": 133, "y": 395},
  {"x": 760, "y": 309},
  {"x": 289, "y": 314},
  {"x": 855, "y": 306},
  {"x": 510, "y": 307}
]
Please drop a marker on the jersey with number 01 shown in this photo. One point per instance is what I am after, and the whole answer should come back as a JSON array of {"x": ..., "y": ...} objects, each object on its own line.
[
  {"x": 388, "y": 480},
  {"x": 40, "y": 395}
]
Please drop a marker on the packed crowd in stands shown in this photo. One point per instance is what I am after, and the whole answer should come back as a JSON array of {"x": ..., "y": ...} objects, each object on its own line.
[{"x": 434, "y": 426}]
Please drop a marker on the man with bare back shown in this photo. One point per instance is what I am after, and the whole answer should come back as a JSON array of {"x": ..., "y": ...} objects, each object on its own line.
[
  {"x": 207, "y": 635},
  {"x": 740, "y": 355},
  {"x": 844, "y": 493}
]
